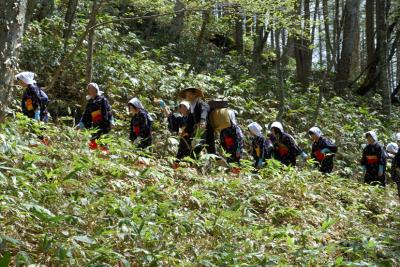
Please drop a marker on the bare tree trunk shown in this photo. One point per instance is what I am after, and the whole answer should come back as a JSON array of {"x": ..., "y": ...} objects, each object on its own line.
[
  {"x": 78, "y": 45},
  {"x": 69, "y": 19},
  {"x": 302, "y": 50},
  {"x": 328, "y": 45},
  {"x": 12, "y": 20},
  {"x": 398, "y": 61},
  {"x": 177, "y": 22},
  {"x": 239, "y": 29},
  {"x": 382, "y": 41},
  {"x": 279, "y": 73},
  {"x": 343, "y": 68},
  {"x": 261, "y": 38},
  {"x": 336, "y": 34},
  {"x": 30, "y": 9},
  {"x": 355, "y": 62},
  {"x": 200, "y": 39},
  {"x": 46, "y": 9}
]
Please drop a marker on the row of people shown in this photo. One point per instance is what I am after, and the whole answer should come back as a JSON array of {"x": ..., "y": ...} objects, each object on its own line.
[{"x": 193, "y": 125}]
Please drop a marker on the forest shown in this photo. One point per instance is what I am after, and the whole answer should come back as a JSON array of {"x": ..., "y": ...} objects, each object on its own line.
[{"x": 282, "y": 68}]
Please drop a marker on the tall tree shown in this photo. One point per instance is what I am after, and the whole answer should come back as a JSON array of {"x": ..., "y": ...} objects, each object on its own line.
[
  {"x": 177, "y": 21},
  {"x": 328, "y": 44},
  {"x": 382, "y": 43},
  {"x": 68, "y": 21},
  {"x": 302, "y": 46},
  {"x": 349, "y": 35},
  {"x": 12, "y": 20}
]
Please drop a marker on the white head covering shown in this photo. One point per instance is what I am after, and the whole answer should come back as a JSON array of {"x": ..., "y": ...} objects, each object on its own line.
[
  {"x": 392, "y": 148},
  {"x": 136, "y": 103},
  {"x": 255, "y": 128},
  {"x": 316, "y": 131},
  {"x": 373, "y": 135},
  {"x": 278, "y": 125},
  {"x": 27, "y": 77},
  {"x": 96, "y": 86},
  {"x": 185, "y": 103},
  {"x": 398, "y": 137},
  {"x": 232, "y": 116}
]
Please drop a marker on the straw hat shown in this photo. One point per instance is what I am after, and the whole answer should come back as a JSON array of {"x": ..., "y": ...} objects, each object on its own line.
[{"x": 197, "y": 91}]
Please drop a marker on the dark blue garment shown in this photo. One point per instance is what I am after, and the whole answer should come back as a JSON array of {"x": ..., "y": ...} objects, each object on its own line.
[
  {"x": 325, "y": 162},
  {"x": 261, "y": 150},
  {"x": 178, "y": 124},
  {"x": 201, "y": 114},
  {"x": 141, "y": 128},
  {"x": 98, "y": 114},
  {"x": 373, "y": 157},
  {"x": 232, "y": 142},
  {"x": 32, "y": 100},
  {"x": 285, "y": 149}
]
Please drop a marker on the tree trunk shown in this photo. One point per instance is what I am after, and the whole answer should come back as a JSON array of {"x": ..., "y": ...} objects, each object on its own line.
[
  {"x": 336, "y": 35},
  {"x": 200, "y": 39},
  {"x": 12, "y": 20},
  {"x": 46, "y": 9},
  {"x": 398, "y": 61},
  {"x": 260, "y": 39},
  {"x": 69, "y": 19},
  {"x": 382, "y": 41},
  {"x": 328, "y": 45},
  {"x": 177, "y": 22},
  {"x": 343, "y": 68},
  {"x": 302, "y": 50},
  {"x": 355, "y": 62},
  {"x": 30, "y": 10},
  {"x": 239, "y": 30}
]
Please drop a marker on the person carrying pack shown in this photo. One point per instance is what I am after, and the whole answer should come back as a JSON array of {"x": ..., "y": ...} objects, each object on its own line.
[
  {"x": 323, "y": 150},
  {"x": 285, "y": 148},
  {"x": 373, "y": 161},
  {"x": 393, "y": 149},
  {"x": 34, "y": 100},
  {"x": 261, "y": 147},
  {"x": 141, "y": 124},
  {"x": 97, "y": 114}
]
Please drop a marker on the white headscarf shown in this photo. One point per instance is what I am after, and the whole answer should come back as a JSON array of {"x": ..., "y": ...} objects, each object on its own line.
[
  {"x": 398, "y": 137},
  {"x": 278, "y": 125},
  {"x": 392, "y": 148},
  {"x": 96, "y": 86},
  {"x": 316, "y": 131},
  {"x": 27, "y": 77},
  {"x": 255, "y": 128},
  {"x": 373, "y": 135},
  {"x": 186, "y": 104},
  {"x": 232, "y": 116},
  {"x": 136, "y": 103}
]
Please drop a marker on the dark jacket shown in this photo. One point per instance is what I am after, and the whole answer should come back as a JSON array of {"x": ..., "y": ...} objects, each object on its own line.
[
  {"x": 323, "y": 152},
  {"x": 232, "y": 142},
  {"x": 97, "y": 114},
  {"x": 285, "y": 149},
  {"x": 201, "y": 114},
  {"x": 141, "y": 127},
  {"x": 32, "y": 100},
  {"x": 178, "y": 123},
  {"x": 395, "y": 166},
  {"x": 373, "y": 159},
  {"x": 261, "y": 149}
]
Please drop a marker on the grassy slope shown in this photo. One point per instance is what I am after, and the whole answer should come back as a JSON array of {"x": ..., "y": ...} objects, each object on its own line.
[{"x": 66, "y": 204}]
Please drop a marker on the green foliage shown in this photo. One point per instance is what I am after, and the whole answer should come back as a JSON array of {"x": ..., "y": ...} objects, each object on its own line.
[{"x": 64, "y": 204}]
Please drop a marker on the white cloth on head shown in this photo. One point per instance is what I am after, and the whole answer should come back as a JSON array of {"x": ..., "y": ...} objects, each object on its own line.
[
  {"x": 278, "y": 125},
  {"x": 232, "y": 116},
  {"x": 255, "y": 128},
  {"x": 185, "y": 104},
  {"x": 392, "y": 148},
  {"x": 398, "y": 137},
  {"x": 27, "y": 77},
  {"x": 96, "y": 86},
  {"x": 316, "y": 131},
  {"x": 136, "y": 103},
  {"x": 373, "y": 135}
]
